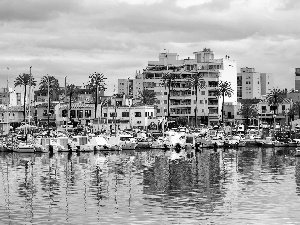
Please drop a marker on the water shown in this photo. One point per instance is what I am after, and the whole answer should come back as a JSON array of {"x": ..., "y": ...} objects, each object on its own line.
[{"x": 248, "y": 186}]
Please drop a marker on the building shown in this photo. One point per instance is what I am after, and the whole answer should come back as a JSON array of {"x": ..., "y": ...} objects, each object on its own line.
[
  {"x": 182, "y": 98},
  {"x": 126, "y": 117},
  {"x": 266, "y": 111},
  {"x": 9, "y": 97},
  {"x": 79, "y": 114},
  {"x": 252, "y": 84},
  {"x": 297, "y": 79}
]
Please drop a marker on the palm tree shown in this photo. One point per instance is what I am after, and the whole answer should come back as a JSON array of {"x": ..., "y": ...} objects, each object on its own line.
[
  {"x": 224, "y": 89},
  {"x": 54, "y": 89},
  {"x": 168, "y": 81},
  {"x": 72, "y": 92},
  {"x": 147, "y": 97},
  {"x": 25, "y": 80},
  {"x": 49, "y": 85},
  {"x": 96, "y": 84},
  {"x": 248, "y": 111},
  {"x": 274, "y": 98},
  {"x": 196, "y": 81}
]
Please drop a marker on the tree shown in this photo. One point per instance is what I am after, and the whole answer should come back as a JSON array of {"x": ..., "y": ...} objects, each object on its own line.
[
  {"x": 224, "y": 89},
  {"x": 196, "y": 81},
  {"x": 248, "y": 111},
  {"x": 147, "y": 97},
  {"x": 274, "y": 98},
  {"x": 96, "y": 84},
  {"x": 49, "y": 85},
  {"x": 72, "y": 92},
  {"x": 54, "y": 89},
  {"x": 168, "y": 81},
  {"x": 24, "y": 80}
]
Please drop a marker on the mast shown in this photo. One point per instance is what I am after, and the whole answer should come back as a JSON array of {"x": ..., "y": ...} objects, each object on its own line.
[
  {"x": 29, "y": 94},
  {"x": 7, "y": 104}
]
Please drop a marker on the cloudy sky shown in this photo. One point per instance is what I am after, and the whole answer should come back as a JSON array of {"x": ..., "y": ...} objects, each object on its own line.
[{"x": 75, "y": 38}]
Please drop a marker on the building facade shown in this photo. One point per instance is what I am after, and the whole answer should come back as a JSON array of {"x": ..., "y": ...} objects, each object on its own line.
[
  {"x": 182, "y": 97},
  {"x": 252, "y": 84}
]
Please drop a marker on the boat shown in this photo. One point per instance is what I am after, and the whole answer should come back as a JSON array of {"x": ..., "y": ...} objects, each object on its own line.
[
  {"x": 297, "y": 153},
  {"x": 122, "y": 142},
  {"x": 81, "y": 143},
  {"x": 25, "y": 147},
  {"x": 101, "y": 143},
  {"x": 268, "y": 142},
  {"x": 157, "y": 143}
]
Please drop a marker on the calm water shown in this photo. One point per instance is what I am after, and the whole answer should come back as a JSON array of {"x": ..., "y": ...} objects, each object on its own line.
[{"x": 248, "y": 186}]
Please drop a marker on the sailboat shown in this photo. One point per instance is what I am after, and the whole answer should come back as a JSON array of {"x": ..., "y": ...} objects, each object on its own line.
[{"x": 25, "y": 146}]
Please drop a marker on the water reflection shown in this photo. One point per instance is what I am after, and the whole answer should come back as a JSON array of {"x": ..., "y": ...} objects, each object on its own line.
[{"x": 130, "y": 187}]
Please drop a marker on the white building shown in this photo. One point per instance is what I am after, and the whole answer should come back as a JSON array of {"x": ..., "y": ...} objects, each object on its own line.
[
  {"x": 182, "y": 98},
  {"x": 125, "y": 117},
  {"x": 252, "y": 84}
]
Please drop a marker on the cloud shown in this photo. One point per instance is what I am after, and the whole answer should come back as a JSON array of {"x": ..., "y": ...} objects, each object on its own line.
[
  {"x": 118, "y": 37},
  {"x": 34, "y": 10}
]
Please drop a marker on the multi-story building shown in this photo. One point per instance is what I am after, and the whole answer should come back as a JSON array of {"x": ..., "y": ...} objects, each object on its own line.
[
  {"x": 297, "y": 79},
  {"x": 9, "y": 97},
  {"x": 253, "y": 85},
  {"x": 182, "y": 97}
]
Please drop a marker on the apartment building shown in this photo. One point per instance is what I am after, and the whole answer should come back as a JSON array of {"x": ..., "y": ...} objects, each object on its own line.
[
  {"x": 297, "y": 79},
  {"x": 182, "y": 98},
  {"x": 252, "y": 84}
]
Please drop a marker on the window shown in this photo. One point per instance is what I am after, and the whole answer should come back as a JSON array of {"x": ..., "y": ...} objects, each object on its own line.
[
  {"x": 125, "y": 114},
  {"x": 151, "y": 113},
  {"x": 138, "y": 114},
  {"x": 113, "y": 114},
  {"x": 202, "y": 110},
  {"x": 165, "y": 101},
  {"x": 165, "y": 93},
  {"x": 64, "y": 113},
  {"x": 158, "y": 110},
  {"x": 79, "y": 113},
  {"x": 202, "y": 92},
  {"x": 104, "y": 114},
  {"x": 195, "y": 102},
  {"x": 205, "y": 101},
  {"x": 165, "y": 110},
  {"x": 283, "y": 107},
  {"x": 158, "y": 101},
  {"x": 73, "y": 114},
  {"x": 87, "y": 113},
  {"x": 201, "y": 101},
  {"x": 146, "y": 114}
]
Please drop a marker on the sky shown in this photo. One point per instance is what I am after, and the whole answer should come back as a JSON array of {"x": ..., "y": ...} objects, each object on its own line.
[{"x": 76, "y": 38}]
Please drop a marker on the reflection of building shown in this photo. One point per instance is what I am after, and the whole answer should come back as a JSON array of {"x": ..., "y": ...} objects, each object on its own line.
[{"x": 179, "y": 178}]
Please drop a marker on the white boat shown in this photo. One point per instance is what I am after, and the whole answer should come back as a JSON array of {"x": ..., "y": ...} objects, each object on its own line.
[
  {"x": 81, "y": 143},
  {"x": 297, "y": 153},
  {"x": 25, "y": 147},
  {"x": 101, "y": 143},
  {"x": 123, "y": 141}
]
